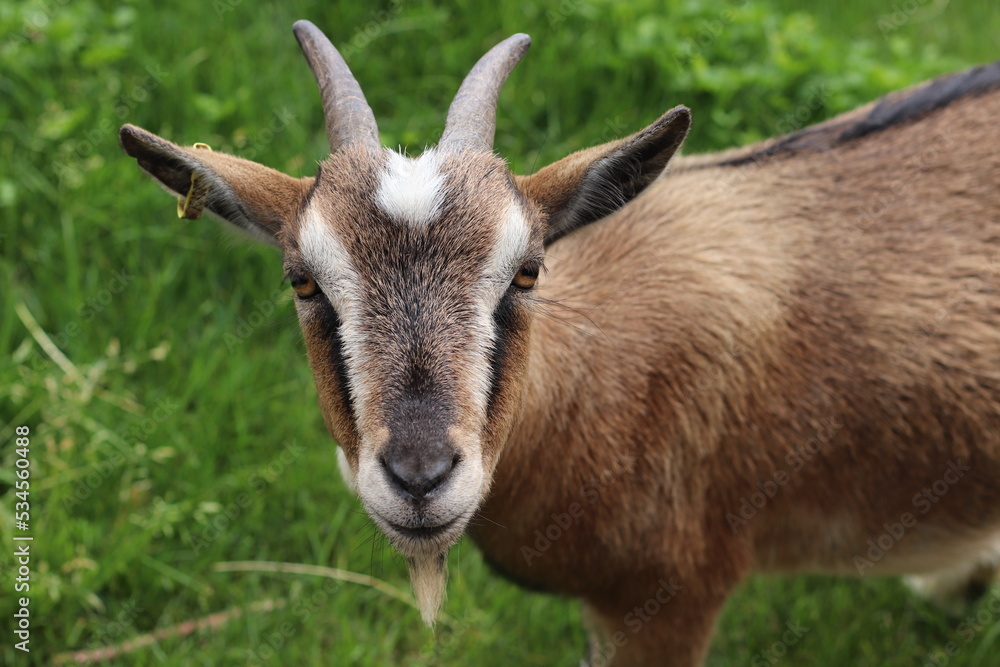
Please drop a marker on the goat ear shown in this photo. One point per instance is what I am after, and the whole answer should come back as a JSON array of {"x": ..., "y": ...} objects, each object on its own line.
[
  {"x": 250, "y": 196},
  {"x": 596, "y": 182}
]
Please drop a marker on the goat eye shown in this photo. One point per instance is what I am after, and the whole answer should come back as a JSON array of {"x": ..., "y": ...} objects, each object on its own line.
[
  {"x": 525, "y": 278},
  {"x": 304, "y": 285}
]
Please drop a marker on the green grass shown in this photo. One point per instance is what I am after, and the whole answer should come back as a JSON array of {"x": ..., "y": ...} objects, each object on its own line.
[{"x": 157, "y": 445}]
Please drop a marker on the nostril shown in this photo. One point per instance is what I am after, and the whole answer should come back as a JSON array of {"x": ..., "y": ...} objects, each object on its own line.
[{"x": 417, "y": 473}]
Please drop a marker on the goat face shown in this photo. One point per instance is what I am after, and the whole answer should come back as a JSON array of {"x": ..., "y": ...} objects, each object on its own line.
[{"x": 414, "y": 282}]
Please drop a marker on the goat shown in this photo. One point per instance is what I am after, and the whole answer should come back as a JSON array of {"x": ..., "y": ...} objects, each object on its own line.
[{"x": 789, "y": 360}]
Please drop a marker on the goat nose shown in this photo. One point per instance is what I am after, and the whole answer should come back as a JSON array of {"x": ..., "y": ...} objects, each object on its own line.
[{"x": 417, "y": 471}]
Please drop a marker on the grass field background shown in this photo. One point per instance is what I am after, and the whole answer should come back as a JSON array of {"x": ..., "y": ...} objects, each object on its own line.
[{"x": 157, "y": 361}]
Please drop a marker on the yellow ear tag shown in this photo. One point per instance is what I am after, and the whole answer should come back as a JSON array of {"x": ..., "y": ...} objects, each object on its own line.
[{"x": 191, "y": 206}]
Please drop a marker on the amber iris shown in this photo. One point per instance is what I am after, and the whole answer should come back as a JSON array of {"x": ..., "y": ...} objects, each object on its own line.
[
  {"x": 526, "y": 277},
  {"x": 304, "y": 285}
]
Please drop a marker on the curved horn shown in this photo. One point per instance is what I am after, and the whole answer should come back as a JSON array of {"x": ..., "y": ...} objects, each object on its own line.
[
  {"x": 472, "y": 117},
  {"x": 349, "y": 119}
]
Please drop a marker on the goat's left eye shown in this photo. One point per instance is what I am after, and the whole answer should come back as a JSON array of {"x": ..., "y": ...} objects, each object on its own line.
[
  {"x": 304, "y": 285},
  {"x": 526, "y": 277}
]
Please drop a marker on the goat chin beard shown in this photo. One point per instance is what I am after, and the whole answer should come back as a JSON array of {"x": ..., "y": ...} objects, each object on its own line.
[{"x": 428, "y": 577}]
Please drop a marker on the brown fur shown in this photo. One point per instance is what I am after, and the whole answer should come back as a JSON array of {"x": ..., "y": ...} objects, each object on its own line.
[
  {"x": 826, "y": 293},
  {"x": 719, "y": 333}
]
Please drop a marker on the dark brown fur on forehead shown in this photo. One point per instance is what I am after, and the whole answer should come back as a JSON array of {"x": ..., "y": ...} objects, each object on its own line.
[
  {"x": 494, "y": 173},
  {"x": 343, "y": 190},
  {"x": 478, "y": 191}
]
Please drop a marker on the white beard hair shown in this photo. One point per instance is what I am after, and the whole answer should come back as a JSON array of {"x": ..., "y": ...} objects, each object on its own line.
[{"x": 428, "y": 576}]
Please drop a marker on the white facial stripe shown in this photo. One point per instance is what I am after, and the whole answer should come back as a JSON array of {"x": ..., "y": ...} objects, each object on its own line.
[
  {"x": 358, "y": 363},
  {"x": 512, "y": 238},
  {"x": 510, "y": 245},
  {"x": 477, "y": 366},
  {"x": 411, "y": 190},
  {"x": 323, "y": 251},
  {"x": 335, "y": 273}
]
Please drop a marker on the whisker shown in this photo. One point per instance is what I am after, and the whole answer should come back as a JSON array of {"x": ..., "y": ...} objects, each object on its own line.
[
  {"x": 538, "y": 153},
  {"x": 374, "y": 542},
  {"x": 566, "y": 306},
  {"x": 296, "y": 334},
  {"x": 477, "y": 519},
  {"x": 549, "y": 315},
  {"x": 480, "y": 517},
  {"x": 281, "y": 320},
  {"x": 370, "y": 539}
]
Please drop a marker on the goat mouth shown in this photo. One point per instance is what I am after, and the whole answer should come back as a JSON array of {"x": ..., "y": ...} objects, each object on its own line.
[{"x": 423, "y": 533}]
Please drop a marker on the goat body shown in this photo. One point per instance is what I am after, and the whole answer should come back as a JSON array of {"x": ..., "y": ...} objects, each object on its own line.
[
  {"x": 780, "y": 359},
  {"x": 777, "y": 358}
]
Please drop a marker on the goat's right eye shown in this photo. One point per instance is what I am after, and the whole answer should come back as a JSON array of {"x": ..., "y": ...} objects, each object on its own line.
[
  {"x": 304, "y": 285},
  {"x": 525, "y": 278}
]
